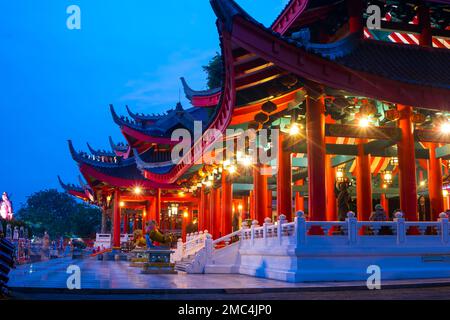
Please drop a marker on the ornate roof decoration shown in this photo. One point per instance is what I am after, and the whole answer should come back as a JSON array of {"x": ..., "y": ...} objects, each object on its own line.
[
  {"x": 70, "y": 186},
  {"x": 140, "y": 117},
  {"x": 164, "y": 125},
  {"x": 100, "y": 152},
  {"x": 190, "y": 93},
  {"x": 119, "y": 148}
]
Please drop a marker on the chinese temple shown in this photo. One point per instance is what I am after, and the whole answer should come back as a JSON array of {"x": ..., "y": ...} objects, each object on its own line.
[{"x": 363, "y": 118}]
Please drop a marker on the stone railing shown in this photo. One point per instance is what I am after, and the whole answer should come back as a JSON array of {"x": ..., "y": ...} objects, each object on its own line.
[
  {"x": 302, "y": 232},
  {"x": 195, "y": 242}
]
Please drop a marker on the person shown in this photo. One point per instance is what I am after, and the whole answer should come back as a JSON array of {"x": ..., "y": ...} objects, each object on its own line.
[{"x": 379, "y": 215}]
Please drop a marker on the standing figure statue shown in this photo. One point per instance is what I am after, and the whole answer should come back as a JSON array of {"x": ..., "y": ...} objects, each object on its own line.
[
  {"x": 6, "y": 207},
  {"x": 344, "y": 200}
]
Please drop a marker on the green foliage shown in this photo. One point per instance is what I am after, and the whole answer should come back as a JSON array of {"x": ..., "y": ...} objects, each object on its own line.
[
  {"x": 214, "y": 71},
  {"x": 60, "y": 215}
]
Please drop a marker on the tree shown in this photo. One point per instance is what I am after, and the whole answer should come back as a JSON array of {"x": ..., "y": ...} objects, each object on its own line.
[
  {"x": 214, "y": 71},
  {"x": 60, "y": 215}
]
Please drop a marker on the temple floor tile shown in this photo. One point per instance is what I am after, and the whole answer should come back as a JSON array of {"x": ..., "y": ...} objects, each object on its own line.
[{"x": 104, "y": 275}]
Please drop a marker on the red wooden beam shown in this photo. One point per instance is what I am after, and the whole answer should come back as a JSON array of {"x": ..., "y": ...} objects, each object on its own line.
[
  {"x": 290, "y": 14},
  {"x": 121, "y": 182},
  {"x": 312, "y": 67},
  {"x": 146, "y": 138}
]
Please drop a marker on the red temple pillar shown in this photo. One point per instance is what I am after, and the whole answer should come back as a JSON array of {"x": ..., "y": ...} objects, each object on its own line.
[
  {"x": 407, "y": 165},
  {"x": 245, "y": 208},
  {"x": 384, "y": 201},
  {"x": 435, "y": 183},
  {"x": 355, "y": 13},
  {"x": 299, "y": 199},
  {"x": 315, "y": 131},
  {"x": 125, "y": 223},
  {"x": 284, "y": 180},
  {"x": 206, "y": 225},
  {"x": 426, "y": 37},
  {"x": 330, "y": 192},
  {"x": 212, "y": 209},
  {"x": 158, "y": 206},
  {"x": 116, "y": 220},
  {"x": 252, "y": 214},
  {"x": 260, "y": 189},
  {"x": 269, "y": 205},
  {"x": 227, "y": 204},
  {"x": 363, "y": 183},
  {"x": 201, "y": 209},
  {"x": 217, "y": 214},
  {"x": 184, "y": 223}
]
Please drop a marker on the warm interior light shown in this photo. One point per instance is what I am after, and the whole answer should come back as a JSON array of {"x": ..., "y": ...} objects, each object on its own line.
[
  {"x": 394, "y": 161},
  {"x": 226, "y": 163},
  {"x": 445, "y": 193},
  {"x": 247, "y": 161},
  {"x": 137, "y": 190},
  {"x": 186, "y": 214},
  {"x": 364, "y": 122},
  {"x": 208, "y": 184},
  {"x": 388, "y": 176},
  {"x": 231, "y": 169},
  {"x": 122, "y": 204},
  {"x": 240, "y": 207},
  {"x": 294, "y": 129},
  {"x": 445, "y": 127},
  {"x": 181, "y": 194},
  {"x": 340, "y": 175},
  {"x": 422, "y": 183}
]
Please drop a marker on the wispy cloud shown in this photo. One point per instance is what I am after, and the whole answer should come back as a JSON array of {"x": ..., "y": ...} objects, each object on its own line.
[{"x": 161, "y": 88}]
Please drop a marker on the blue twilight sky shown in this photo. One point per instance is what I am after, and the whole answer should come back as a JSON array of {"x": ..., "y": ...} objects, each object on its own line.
[{"x": 56, "y": 84}]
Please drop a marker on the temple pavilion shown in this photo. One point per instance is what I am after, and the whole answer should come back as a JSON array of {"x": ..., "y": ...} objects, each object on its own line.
[{"x": 363, "y": 116}]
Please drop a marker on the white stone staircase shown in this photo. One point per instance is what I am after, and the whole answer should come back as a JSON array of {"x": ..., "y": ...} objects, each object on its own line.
[
  {"x": 185, "y": 264},
  {"x": 305, "y": 251}
]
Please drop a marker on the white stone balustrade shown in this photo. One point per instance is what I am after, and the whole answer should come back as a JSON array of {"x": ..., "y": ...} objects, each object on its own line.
[
  {"x": 195, "y": 242},
  {"x": 327, "y": 250}
]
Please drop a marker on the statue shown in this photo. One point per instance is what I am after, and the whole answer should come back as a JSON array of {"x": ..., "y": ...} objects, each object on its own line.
[
  {"x": 16, "y": 233},
  {"x": 6, "y": 207},
  {"x": 343, "y": 199},
  {"x": 8, "y": 231},
  {"x": 153, "y": 234}
]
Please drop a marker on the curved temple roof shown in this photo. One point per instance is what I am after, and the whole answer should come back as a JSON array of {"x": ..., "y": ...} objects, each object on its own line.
[
  {"x": 117, "y": 167},
  {"x": 120, "y": 149},
  {"x": 100, "y": 153},
  {"x": 77, "y": 191},
  {"x": 201, "y": 98},
  {"x": 162, "y": 126},
  {"x": 405, "y": 82}
]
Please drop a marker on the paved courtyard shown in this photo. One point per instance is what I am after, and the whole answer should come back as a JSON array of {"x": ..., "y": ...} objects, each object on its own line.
[{"x": 109, "y": 279}]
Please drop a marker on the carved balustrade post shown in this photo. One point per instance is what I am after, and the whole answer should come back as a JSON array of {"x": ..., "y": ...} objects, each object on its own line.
[
  {"x": 352, "y": 226},
  {"x": 443, "y": 219},
  {"x": 300, "y": 228},
  {"x": 267, "y": 222},
  {"x": 281, "y": 221},
  {"x": 401, "y": 227}
]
